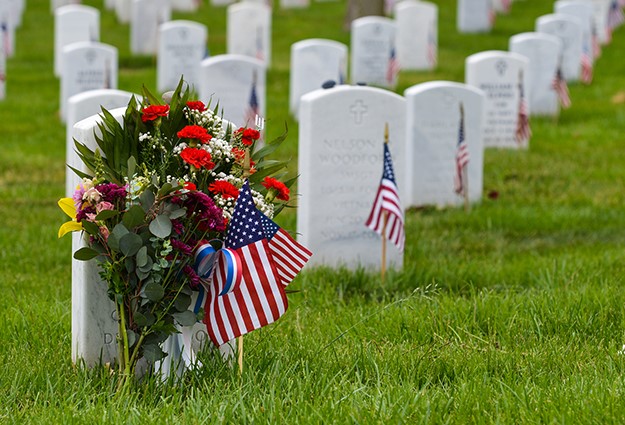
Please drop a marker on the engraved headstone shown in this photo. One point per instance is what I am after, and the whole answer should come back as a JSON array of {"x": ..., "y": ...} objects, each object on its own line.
[
  {"x": 373, "y": 52},
  {"x": 341, "y": 136},
  {"x": 433, "y": 125},
  {"x": 544, "y": 52},
  {"x": 583, "y": 10},
  {"x": 499, "y": 74},
  {"x": 313, "y": 62},
  {"x": 146, "y": 16},
  {"x": 569, "y": 30},
  {"x": 237, "y": 83},
  {"x": 86, "y": 66},
  {"x": 79, "y": 107},
  {"x": 475, "y": 16},
  {"x": 182, "y": 47},
  {"x": 72, "y": 24},
  {"x": 417, "y": 34},
  {"x": 249, "y": 31}
]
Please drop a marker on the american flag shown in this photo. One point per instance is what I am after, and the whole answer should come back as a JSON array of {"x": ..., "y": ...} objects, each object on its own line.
[
  {"x": 462, "y": 158},
  {"x": 260, "y": 52},
  {"x": 260, "y": 298},
  {"x": 586, "y": 76},
  {"x": 393, "y": 68},
  {"x": 386, "y": 206},
  {"x": 253, "y": 108},
  {"x": 523, "y": 131},
  {"x": 561, "y": 88},
  {"x": 289, "y": 255},
  {"x": 505, "y": 5},
  {"x": 596, "y": 46},
  {"x": 432, "y": 46},
  {"x": 6, "y": 40},
  {"x": 615, "y": 17}
]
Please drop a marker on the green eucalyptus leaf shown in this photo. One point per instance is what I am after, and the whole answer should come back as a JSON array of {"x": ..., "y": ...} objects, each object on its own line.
[
  {"x": 133, "y": 217},
  {"x": 152, "y": 352},
  {"x": 177, "y": 213},
  {"x": 90, "y": 227},
  {"x": 132, "y": 337},
  {"x": 185, "y": 318},
  {"x": 142, "y": 256},
  {"x": 140, "y": 319},
  {"x": 130, "y": 265},
  {"x": 132, "y": 165},
  {"x": 147, "y": 200},
  {"x": 130, "y": 243},
  {"x": 165, "y": 189},
  {"x": 182, "y": 302},
  {"x": 153, "y": 291},
  {"x": 85, "y": 254},
  {"x": 161, "y": 226},
  {"x": 106, "y": 214}
]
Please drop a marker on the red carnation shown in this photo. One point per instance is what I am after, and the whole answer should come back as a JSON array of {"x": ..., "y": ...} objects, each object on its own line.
[
  {"x": 194, "y": 132},
  {"x": 153, "y": 112},
  {"x": 198, "y": 158},
  {"x": 189, "y": 186},
  {"x": 281, "y": 191},
  {"x": 196, "y": 105},
  {"x": 223, "y": 188},
  {"x": 248, "y": 135}
]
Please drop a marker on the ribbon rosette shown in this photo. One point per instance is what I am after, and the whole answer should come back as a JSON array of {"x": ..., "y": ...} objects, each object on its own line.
[{"x": 222, "y": 264}]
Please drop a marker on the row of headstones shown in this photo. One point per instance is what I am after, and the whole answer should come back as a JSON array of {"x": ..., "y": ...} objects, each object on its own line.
[{"x": 11, "y": 12}]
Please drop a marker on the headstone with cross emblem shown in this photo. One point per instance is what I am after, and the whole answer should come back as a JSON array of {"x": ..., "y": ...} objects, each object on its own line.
[
  {"x": 72, "y": 24},
  {"x": 584, "y": 11},
  {"x": 433, "y": 125},
  {"x": 182, "y": 47},
  {"x": 146, "y": 16},
  {"x": 503, "y": 78},
  {"x": 474, "y": 16},
  {"x": 373, "y": 52},
  {"x": 255, "y": 40},
  {"x": 238, "y": 84},
  {"x": 417, "y": 34},
  {"x": 313, "y": 62},
  {"x": 568, "y": 29},
  {"x": 86, "y": 66},
  {"x": 544, "y": 52},
  {"x": 341, "y": 136}
]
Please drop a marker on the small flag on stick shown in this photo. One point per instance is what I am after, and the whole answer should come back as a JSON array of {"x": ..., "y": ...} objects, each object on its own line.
[
  {"x": 561, "y": 88},
  {"x": 392, "y": 69},
  {"x": 462, "y": 159},
  {"x": 523, "y": 131},
  {"x": 586, "y": 76}
]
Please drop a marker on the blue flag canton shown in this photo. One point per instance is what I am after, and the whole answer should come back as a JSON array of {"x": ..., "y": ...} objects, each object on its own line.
[
  {"x": 246, "y": 224},
  {"x": 269, "y": 227},
  {"x": 461, "y": 131},
  {"x": 388, "y": 174}
]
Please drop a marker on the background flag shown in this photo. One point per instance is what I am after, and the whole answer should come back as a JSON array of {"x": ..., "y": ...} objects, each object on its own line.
[
  {"x": 260, "y": 298},
  {"x": 387, "y": 204},
  {"x": 523, "y": 131},
  {"x": 586, "y": 65},
  {"x": 562, "y": 89},
  {"x": 393, "y": 68},
  {"x": 462, "y": 158},
  {"x": 252, "y": 107}
]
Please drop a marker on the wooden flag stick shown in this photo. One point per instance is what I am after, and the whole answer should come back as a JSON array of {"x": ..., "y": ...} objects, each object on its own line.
[{"x": 384, "y": 222}]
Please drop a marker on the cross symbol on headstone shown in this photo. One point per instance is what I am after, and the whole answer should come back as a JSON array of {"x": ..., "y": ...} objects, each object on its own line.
[
  {"x": 501, "y": 66},
  {"x": 358, "y": 109}
]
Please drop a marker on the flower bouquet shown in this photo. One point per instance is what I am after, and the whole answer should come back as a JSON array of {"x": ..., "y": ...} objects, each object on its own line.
[{"x": 158, "y": 205}]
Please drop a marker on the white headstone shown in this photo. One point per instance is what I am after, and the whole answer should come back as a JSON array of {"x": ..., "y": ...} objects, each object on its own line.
[
  {"x": 185, "y": 5},
  {"x": 417, "y": 34},
  {"x": 569, "y": 30},
  {"x": 237, "y": 83},
  {"x": 373, "y": 52},
  {"x": 341, "y": 137},
  {"x": 544, "y": 52},
  {"x": 72, "y": 24},
  {"x": 221, "y": 2},
  {"x": 313, "y": 62},
  {"x": 182, "y": 47},
  {"x": 79, "y": 107},
  {"x": 249, "y": 31},
  {"x": 122, "y": 10},
  {"x": 3, "y": 69},
  {"x": 87, "y": 66},
  {"x": 433, "y": 125},
  {"x": 55, "y": 4},
  {"x": 584, "y": 11},
  {"x": 294, "y": 4},
  {"x": 7, "y": 27},
  {"x": 601, "y": 10},
  {"x": 109, "y": 4},
  {"x": 499, "y": 74},
  {"x": 146, "y": 16},
  {"x": 502, "y": 6},
  {"x": 475, "y": 16}
]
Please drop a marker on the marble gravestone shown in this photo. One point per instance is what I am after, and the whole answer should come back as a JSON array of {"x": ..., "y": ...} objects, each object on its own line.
[
  {"x": 122, "y": 11},
  {"x": 87, "y": 66},
  {"x": 373, "y": 52},
  {"x": 294, "y": 4},
  {"x": 543, "y": 52},
  {"x": 185, "y": 5},
  {"x": 3, "y": 68},
  {"x": 182, "y": 47},
  {"x": 7, "y": 27},
  {"x": 341, "y": 137},
  {"x": 433, "y": 125},
  {"x": 417, "y": 34},
  {"x": 313, "y": 62},
  {"x": 583, "y": 10},
  {"x": 221, "y": 2},
  {"x": 55, "y": 4},
  {"x": 502, "y": 6},
  {"x": 601, "y": 10},
  {"x": 146, "y": 16},
  {"x": 499, "y": 74},
  {"x": 84, "y": 105},
  {"x": 569, "y": 30},
  {"x": 72, "y": 24},
  {"x": 255, "y": 40},
  {"x": 475, "y": 16},
  {"x": 237, "y": 83}
]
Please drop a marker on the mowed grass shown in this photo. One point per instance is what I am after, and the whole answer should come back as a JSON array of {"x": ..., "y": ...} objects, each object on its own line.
[{"x": 510, "y": 314}]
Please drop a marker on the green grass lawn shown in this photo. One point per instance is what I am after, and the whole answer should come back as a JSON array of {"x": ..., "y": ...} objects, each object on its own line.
[{"x": 510, "y": 314}]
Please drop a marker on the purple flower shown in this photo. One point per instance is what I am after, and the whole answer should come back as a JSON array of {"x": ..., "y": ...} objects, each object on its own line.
[
  {"x": 112, "y": 192},
  {"x": 194, "y": 279},
  {"x": 182, "y": 247},
  {"x": 209, "y": 216}
]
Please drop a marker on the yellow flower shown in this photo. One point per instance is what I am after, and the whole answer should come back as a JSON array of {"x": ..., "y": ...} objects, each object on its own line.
[{"x": 67, "y": 205}]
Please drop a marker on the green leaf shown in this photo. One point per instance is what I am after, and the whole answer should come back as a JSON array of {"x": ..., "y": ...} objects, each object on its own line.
[
  {"x": 165, "y": 189},
  {"x": 153, "y": 291},
  {"x": 182, "y": 302},
  {"x": 143, "y": 320},
  {"x": 130, "y": 243},
  {"x": 185, "y": 318},
  {"x": 132, "y": 165},
  {"x": 106, "y": 214},
  {"x": 132, "y": 337},
  {"x": 133, "y": 217},
  {"x": 152, "y": 352},
  {"x": 85, "y": 254},
  {"x": 90, "y": 227},
  {"x": 161, "y": 226},
  {"x": 147, "y": 199},
  {"x": 142, "y": 256}
]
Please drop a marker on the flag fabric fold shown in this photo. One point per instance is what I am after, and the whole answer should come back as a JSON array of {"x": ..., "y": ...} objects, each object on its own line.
[
  {"x": 386, "y": 214},
  {"x": 392, "y": 69},
  {"x": 462, "y": 160},
  {"x": 523, "y": 130},
  {"x": 561, "y": 88}
]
